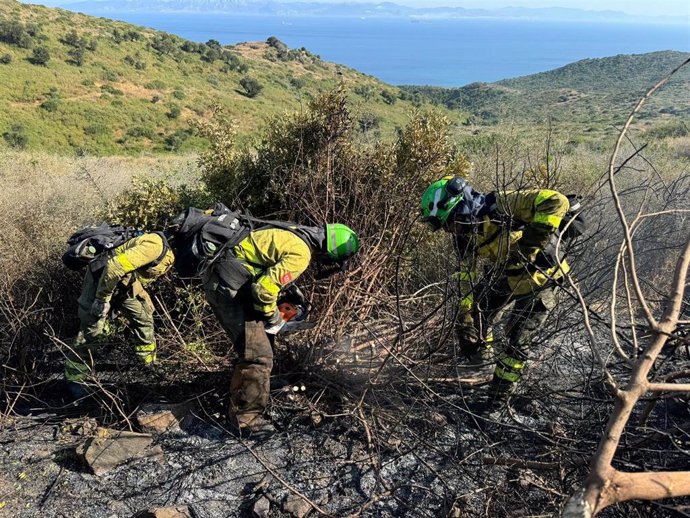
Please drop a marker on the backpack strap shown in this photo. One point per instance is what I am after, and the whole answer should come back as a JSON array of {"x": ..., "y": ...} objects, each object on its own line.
[{"x": 166, "y": 249}]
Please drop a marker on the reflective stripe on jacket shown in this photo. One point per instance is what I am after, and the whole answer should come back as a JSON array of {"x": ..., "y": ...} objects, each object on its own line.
[
  {"x": 275, "y": 257},
  {"x": 133, "y": 257},
  {"x": 539, "y": 213}
]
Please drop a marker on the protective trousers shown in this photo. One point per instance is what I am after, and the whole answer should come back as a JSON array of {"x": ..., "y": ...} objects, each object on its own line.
[
  {"x": 134, "y": 303},
  {"x": 525, "y": 316},
  {"x": 250, "y": 383}
]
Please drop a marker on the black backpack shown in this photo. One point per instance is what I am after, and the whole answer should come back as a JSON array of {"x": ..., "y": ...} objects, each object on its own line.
[
  {"x": 89, "y": 243},
  {"x": 204, "y": 239}
]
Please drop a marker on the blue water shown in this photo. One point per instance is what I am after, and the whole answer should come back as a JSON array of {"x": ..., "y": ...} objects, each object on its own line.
[{"x": 438, "y": 52}]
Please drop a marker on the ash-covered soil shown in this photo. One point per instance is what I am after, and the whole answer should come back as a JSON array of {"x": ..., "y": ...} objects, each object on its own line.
[
  {"x": 217, "y": 474},
  {"x": 346, "y": 444}
]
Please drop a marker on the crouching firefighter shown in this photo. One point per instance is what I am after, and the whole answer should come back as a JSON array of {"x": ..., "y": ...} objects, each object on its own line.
[
  {"x": 247, "y": 267},
  {"x": 516, "y": 235},
  {"x": 119, "y": 263}
]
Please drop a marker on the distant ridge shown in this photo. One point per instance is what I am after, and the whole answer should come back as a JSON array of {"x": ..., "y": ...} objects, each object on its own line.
[
  {"x": 591, "y": 90},
  {"x": 372, "y": 9}
]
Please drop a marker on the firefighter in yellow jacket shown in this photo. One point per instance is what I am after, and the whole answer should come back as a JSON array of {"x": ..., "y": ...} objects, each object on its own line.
[
  {"x": 243, "y": 288},
  {"x": 515, "y": 234},
  {"x": 116, "y": 280}
]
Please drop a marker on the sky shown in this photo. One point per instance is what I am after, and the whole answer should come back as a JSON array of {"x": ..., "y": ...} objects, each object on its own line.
[{"x": 637, "y": 7}]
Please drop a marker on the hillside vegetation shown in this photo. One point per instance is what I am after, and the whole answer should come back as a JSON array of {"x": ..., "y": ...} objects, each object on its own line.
[
  {"x": 75, "y": 83},
  {"x": 592, "y": 92}
]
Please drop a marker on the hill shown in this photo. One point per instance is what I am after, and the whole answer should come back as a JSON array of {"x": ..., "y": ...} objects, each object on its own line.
[
  {"x": 345, "y": 8},
  {"x": 73, "y": 82},
  {"x": 592, "y": 92}
]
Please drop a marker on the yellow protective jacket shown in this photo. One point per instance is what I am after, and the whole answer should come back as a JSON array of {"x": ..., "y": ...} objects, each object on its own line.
[
  {"x": 131, "y": 261},
  {"x": 275, "y": 257},
  {"x": 537, "y": 215}
]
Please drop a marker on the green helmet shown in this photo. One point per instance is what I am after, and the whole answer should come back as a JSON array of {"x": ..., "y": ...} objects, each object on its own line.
[
  {"x": 439, "y": 200},
  {"x": 341, "y": 242}
]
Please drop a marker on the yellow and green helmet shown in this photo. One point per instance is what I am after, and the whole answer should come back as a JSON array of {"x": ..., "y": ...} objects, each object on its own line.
[
  {"x": 440, "y": 199},
  {"x": 341, "y": 242}
]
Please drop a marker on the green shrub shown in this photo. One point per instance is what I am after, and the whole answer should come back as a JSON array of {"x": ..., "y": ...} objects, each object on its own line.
[
  {"x": 15, "y": 33},
  {"x": 388, "y": 97},
  {"x": 40, "y": 56},
  {"x": 72, "y": 39},
  {"x": 298, "y": 82},
  {"x": 677, "y": 128},
  {"x": 52, "y": 101},
  {"x": 155, "y": 85},
  {"x": 88, "y": 82},
  {"x": 251, "y": 86},
  {"x": 174, "y": 141},
  {"x": 148, "y": 204},
  {"x": 364, "y": 91},
  {"x": 179, "y": 94},
  {"x": 174, "y": 112},
  {"x": 110, "y": 75},
  {"x": 140, "y": 131},
  {"x": 110, "y": 89},
  {"x": 76, "y": 56},
  {"x": 5, "y": 59},
  {"x": 96, "y": 129},
  {"x": 16, "y": 137}
]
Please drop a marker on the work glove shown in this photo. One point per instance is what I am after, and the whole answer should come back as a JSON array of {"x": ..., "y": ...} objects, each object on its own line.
[
  {"x": 100, "y": 308},
  {"x": 274, "y": 323}
]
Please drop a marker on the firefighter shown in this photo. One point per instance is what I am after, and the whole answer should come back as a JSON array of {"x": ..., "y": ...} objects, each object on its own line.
[
  {"x": 516, "y": 235},
  {"x": 243, "y": 288},
  {"x": 115, "y": 280}
]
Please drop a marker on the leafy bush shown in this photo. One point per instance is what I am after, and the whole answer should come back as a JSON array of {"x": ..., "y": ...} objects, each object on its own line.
[
  {"x": 388, "y": 97},
  {"x": 155, "y": 85},
  {"x": 5, "y": 59},
  {"x": 148, "y": 204},
  {"x": 73, "y": 39},
  {"x": 110, "y": 89},
  {"x": 251, "y": 86},
  {"x": 298, "y": 82},
  {"x": 368, "y": 121},
  {"x": 192, "y": 47},
  {"x": 110, "y": 75},
  {"x": 16, "y": 137},
  {"x": 174, "y": 112},
  {"x": 76, "y": 56},
  {"x": 165, "y": 44},
  {"x": 364, "y": 91},
  {"x": 305, "y": 155},
  {"x": 96, "y": 129},
  {"x": 40, "y": 56},
  {"x": 233, "y": 62},
  {"x": 677, "y": 128},
  {"x": 52, "y": 101},
  {"x": 15, "y": 33},
  {"x": 174, "y": 141},
  {"x": 178, "y": 94},
  {"x": 129, "y": 35},
  {"x": 140, "y": 131}
]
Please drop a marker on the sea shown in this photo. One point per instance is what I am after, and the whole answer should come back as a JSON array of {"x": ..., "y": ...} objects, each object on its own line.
[{"x": 440, "y": 52}]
